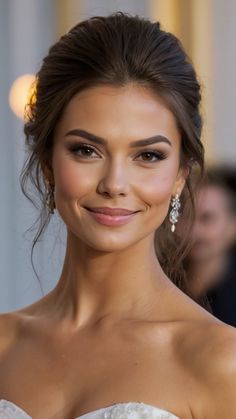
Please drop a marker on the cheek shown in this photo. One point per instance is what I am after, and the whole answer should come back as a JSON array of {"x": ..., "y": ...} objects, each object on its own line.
[
  {"x": 156, "y": 194},
  {"x": 72, "y": 180},
  {"x": 158, "y": 189},
  {"x": 157, "y": 186}
]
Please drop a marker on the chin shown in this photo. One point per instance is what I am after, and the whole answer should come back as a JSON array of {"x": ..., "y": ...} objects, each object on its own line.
[{"x": 110, "y": 246}]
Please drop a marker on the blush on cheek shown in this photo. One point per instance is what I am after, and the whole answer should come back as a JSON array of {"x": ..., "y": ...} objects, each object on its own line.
[
  {"x": 72, "y": 180},
  {"x": 158, "y": 190}
]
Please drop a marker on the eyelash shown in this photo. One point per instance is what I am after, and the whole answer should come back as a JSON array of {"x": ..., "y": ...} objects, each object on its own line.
[
  {"x": 74, "y": 149},
  {"x": 78, "y": 147},
  {"x": 157, "y": 154}
]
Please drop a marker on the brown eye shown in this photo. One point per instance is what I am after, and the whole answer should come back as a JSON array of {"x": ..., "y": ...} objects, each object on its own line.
[
  {"x": 86, "y": 151},
  {"x": 152, "y": 156},
  {"x": 148, "y": 156},
  {"x": 83, "y": 150}
]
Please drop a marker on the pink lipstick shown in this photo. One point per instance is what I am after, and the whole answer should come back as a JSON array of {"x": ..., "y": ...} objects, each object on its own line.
[{"x": 111, "y": 216}]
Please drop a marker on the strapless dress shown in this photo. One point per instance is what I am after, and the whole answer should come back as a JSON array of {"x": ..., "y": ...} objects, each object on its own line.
[{"x": 129, "y": 410}]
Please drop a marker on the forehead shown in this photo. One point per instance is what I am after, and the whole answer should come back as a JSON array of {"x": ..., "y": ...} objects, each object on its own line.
[{"x": 132, "y": 112}]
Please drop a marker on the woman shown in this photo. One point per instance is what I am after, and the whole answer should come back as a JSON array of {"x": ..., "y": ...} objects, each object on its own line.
[{"x": 112, "y": 136}]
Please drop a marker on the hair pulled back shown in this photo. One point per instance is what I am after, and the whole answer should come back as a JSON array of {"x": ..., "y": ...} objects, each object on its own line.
[{"x": 116, "y": 50}]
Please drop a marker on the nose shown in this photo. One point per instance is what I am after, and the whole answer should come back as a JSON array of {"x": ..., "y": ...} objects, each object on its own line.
[{"x": 114, "y": 180}]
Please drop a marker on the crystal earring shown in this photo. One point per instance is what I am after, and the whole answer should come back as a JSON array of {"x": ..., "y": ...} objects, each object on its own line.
[
  {"x": 50, "y": 198},
  {"x": 174, "y": 213}
]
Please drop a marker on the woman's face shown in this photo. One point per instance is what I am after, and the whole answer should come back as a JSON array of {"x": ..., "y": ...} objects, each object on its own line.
[{"x": 115, "y": 148}]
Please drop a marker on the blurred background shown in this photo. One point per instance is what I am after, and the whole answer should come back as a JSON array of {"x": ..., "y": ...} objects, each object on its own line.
[{"x": 27, "y": 29}]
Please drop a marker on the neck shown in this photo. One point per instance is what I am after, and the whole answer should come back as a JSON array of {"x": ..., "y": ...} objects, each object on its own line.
[{"x": 96, "y": 284}]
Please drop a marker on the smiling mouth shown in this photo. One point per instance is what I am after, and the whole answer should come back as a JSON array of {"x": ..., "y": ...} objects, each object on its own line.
[
  {"x": 111, "y": 217},
  {"x": 111, "y": 211}
]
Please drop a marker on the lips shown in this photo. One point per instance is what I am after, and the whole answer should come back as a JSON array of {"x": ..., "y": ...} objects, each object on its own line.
[
  {"x": 111, "y": 211},
  {"x": 111, "y": 217}
]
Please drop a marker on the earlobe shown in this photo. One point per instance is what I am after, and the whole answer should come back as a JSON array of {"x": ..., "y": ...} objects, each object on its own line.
[
  {"x": 178, "y": 188},
  {"x": 180, "y": 181}
]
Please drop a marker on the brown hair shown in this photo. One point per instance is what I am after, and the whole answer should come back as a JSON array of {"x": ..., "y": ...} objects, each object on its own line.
[{"x": 116, "y": 50}]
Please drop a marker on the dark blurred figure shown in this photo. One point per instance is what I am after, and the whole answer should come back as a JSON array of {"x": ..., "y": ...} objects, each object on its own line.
[{"x": 212, "y": 261}]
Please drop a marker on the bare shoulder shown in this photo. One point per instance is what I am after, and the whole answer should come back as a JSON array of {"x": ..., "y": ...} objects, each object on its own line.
[
  {"x": 12, "y": 326},
  {"x": 220, "y": 372},
  {"x": 9, "y": 329},
  {"x": 17, "y": 324},
  {"x": 210, "y": 354},
  {"x": 218, "y": 353}
]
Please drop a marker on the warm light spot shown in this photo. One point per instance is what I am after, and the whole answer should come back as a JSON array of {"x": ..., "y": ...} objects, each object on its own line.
[{"x": 23, "y": 88}]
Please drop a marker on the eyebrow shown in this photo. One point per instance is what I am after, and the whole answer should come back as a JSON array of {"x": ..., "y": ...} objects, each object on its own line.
[{"x": 98, "y": 140}]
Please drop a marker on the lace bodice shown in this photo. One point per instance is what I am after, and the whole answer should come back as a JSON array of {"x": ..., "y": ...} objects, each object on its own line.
[{"x": 131, "y": 410}]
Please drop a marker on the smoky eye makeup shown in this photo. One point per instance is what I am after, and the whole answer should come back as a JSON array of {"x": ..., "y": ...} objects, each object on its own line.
[
  {"x": 88, "y": 151},
  {"x": 82, "y": 149},
  {"x": 151, "y": 156}
]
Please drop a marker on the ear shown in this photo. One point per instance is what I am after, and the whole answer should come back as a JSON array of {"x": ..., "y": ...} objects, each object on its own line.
[{"x": 180, "y": 180}]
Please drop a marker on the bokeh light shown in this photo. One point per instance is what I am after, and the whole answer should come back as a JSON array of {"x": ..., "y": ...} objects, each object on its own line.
[{"x": 21, "y": 90}]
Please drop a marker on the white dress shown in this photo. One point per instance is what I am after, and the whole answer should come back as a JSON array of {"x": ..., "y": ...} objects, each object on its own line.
[{"x": 131, "y": 410}]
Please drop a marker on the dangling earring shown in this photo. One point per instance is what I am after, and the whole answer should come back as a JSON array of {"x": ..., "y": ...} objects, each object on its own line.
[
  {"x": 174, "y": 213},
  {"x": 50, "y": 198}
]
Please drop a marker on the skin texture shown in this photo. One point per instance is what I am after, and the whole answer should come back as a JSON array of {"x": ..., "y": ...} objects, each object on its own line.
[{"x": 115, "y": 328}]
